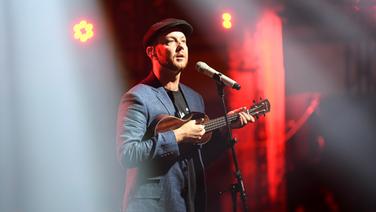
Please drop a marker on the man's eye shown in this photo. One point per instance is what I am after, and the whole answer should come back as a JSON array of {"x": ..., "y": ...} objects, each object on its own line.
[{"x": 169, "y": 41}]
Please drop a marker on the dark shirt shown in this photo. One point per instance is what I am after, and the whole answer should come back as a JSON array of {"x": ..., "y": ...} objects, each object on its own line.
[
  {"x": 186, "y": 164},
  {"x": 181, "y": 107}
]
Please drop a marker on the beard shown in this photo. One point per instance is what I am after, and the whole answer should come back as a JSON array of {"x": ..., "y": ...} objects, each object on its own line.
[{"x": 175, "y": 66}]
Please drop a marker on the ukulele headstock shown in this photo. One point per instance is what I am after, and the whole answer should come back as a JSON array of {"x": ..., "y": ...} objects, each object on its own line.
[{"x": 259, "y": 108}]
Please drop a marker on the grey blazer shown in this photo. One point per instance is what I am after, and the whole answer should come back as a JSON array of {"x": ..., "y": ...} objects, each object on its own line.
[{"x": 153, "y": 175}]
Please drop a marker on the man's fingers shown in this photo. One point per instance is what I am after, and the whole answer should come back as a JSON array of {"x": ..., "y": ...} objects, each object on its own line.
[
  {"x": 238, "y": 110},
  {"x": 245, "y": 118},
  {"x": 252, "y": 119},
  {"x": 248, "y": 117}
]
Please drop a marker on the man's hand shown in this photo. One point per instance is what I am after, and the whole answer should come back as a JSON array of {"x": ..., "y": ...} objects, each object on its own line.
[
  {"x": 188, "y": 131},
  {"x": 244, "y": 118}
]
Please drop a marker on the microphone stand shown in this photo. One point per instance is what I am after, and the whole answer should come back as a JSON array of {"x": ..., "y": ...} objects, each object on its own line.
[{"x": 239, "y": 185}]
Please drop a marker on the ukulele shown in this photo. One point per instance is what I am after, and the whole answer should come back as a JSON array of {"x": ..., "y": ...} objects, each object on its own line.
[{"x": 165, "y": 123}]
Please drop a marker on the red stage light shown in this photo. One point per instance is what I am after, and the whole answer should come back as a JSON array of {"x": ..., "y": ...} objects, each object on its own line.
[
  {"x": 226, "y": 23},
  {"x": 83, "y": 31}
]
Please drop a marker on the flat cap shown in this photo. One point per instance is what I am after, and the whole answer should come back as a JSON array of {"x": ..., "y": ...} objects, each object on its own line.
[{"x": 163, "y": 26}]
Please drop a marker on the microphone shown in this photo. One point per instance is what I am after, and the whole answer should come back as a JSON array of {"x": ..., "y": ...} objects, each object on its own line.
[{"x": 210, "y": 72}]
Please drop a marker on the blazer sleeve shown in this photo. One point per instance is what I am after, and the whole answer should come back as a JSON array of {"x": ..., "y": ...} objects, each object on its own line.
[{"x": 134, "y": 147}]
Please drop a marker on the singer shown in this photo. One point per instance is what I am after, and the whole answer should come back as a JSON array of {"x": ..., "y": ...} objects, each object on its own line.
[{"x": 164, "y": 170}]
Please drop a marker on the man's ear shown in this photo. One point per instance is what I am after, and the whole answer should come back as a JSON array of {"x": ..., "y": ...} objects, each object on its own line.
[{"x": 150, "y": 51}]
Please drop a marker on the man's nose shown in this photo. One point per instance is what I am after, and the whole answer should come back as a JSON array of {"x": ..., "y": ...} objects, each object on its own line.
[{"x": 180, "y": 46}]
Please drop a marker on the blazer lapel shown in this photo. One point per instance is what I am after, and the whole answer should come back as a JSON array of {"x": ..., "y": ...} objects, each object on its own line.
[
  {"x": 165, "y": 100},
  {"x": 192, "y": 106},
  {"x": 161, "y": 93}
]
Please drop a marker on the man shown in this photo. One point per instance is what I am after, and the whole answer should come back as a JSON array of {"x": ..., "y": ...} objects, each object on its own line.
[{"x": 164, "y": 170}]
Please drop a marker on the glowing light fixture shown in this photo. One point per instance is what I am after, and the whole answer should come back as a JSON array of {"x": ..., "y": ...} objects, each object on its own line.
[
  {"x": 83, "y": 31},
  {"x": 226, "y": 23}
]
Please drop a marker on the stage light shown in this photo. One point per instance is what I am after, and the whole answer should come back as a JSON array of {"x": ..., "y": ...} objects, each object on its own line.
[
  {"x": 226, "y": 23},
  {"x": 83, "y": 31}
]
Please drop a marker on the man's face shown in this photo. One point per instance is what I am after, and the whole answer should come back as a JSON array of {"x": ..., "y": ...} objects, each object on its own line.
[{"x": 171, "y": 51}]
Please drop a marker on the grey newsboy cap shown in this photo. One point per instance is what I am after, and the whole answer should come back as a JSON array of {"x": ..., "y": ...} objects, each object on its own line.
[{"x": 163, "y": 26}]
